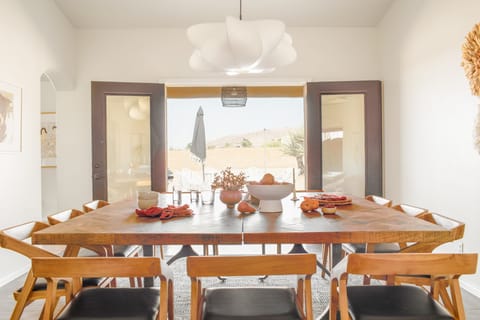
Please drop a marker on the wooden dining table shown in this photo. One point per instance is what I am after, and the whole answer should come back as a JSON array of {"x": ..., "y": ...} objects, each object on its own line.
[{"x": 361, "y": 221}]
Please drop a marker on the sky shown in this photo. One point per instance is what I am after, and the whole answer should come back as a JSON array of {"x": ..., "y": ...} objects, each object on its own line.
[{"x": 259, "y": 114}]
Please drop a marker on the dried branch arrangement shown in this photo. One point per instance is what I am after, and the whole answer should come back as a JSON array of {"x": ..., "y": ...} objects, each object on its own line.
[
  {"x": 227, "y": 180},
  {"x": 471, "y": 65},
  {"x": 471, "y": 59}
]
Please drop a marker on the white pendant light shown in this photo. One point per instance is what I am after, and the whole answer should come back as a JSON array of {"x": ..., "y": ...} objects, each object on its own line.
[{"x": 238, "y": 46}]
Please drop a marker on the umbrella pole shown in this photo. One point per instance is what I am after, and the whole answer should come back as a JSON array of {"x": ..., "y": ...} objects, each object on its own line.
[{"x": 203, "y": 171}]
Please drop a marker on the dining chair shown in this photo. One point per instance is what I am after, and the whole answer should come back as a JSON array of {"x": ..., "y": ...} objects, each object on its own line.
[
  {"x": 251, "y": 302},
  {"x": 397, "y": 302},
  {"x": 379, "y": 200},
  {"x": 412, "y": 211},
  {"x": 94, "y": 205},
  {"x": 106, "y": 303},
  {"x": 98, "y": 250},
  {"x": 455, "y": 227},
  {"x": 17, "y": 239}
]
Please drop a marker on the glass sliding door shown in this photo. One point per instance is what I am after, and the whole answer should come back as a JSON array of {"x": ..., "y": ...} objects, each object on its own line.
[
  {"x": 128, "y": 145},
  {"x": 128, "y": 139},
  {"x": 343, "y": 143},
  {"x": 344, "y": 137}
]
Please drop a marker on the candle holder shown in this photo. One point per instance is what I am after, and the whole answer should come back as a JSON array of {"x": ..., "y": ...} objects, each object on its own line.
[{"x": 294, "y": 197}]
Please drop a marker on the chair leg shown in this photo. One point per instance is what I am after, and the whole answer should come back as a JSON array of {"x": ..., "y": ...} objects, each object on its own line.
[
  {"x": 22, "y": 300},
  {"x": 325, "y": 253}
]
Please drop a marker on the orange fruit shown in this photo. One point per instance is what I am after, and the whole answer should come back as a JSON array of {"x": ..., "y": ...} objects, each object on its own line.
[{"x": 268, "y": 178}]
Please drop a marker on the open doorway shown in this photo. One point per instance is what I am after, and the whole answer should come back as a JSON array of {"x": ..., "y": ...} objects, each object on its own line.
[{"x": 48, "y": 109}]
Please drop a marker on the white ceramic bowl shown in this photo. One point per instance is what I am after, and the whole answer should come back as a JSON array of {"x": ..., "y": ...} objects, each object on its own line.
[{"x": 270, "y": 195}]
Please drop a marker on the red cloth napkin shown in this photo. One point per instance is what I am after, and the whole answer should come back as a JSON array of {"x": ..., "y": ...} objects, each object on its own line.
[{"x": 165, "y": 213}]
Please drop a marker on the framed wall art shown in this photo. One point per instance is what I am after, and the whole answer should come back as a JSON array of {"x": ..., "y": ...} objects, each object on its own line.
[
  {"x": 10, "y": 118},
  {"x": 49, "y": 139}
]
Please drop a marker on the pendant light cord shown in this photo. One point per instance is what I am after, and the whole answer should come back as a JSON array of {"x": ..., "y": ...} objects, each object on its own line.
[{"x": 240, "y": 9}]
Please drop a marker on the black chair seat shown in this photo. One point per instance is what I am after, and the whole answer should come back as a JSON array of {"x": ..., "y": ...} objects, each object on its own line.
[
  {"x": 250, "y": 303},
  {"x": 124, "y": 251},
  {"x": 379, "y": 247},
  {"x": 113, "y": 303},
  {"x": 393, "y": 303}
]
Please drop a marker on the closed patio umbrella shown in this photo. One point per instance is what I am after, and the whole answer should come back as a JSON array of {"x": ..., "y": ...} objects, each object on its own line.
[{"x": 199, "y": 144}]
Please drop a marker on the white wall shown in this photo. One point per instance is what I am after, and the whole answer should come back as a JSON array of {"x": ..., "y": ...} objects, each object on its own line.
[
  {"x": 36, "y": 38},
  {"x": 153, "y": 55},
  {"x": 429, "y": 112}
]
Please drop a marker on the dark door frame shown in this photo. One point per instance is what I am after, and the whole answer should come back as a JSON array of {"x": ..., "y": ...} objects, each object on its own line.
[
  {"x": 156, "y": 92},
  {"x": 372, "y": 92}
]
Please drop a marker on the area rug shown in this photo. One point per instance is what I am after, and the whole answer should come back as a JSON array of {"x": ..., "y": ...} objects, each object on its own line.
[{"x": 320, "y": 288}]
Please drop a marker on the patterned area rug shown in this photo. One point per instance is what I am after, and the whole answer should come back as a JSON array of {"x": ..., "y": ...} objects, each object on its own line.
[{"x": 320, "y": 288}]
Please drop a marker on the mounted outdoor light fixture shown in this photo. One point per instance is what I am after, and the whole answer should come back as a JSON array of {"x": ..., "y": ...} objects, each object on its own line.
[{"x": 234, "y": 96}]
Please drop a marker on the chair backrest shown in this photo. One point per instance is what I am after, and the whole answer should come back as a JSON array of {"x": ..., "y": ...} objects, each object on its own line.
[
  {"x": 94, "y": 205},
  {"x": 412, "y": 264},
  {"x": 64, "y": 216},
  {"x": 16, "y": 239},
  {"x": 410, "y": 210},
  {"x": 212, "y": 266},
  {"x": 457, "y": 228},
  {"x": 441, "y": 269},
  {"x": 303, "y": 265},
  {"x": 379, "y": 200},
  {"x": 76, "y": 268},
  {"x": 79, "y": 267}
]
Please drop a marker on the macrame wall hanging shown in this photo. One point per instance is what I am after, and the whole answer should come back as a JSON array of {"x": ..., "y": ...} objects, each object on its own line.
[{"x": 471, "y": 64}]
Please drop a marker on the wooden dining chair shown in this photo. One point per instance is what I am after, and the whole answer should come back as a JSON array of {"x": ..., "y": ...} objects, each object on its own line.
[
  {"x": 101, "y": 250},
  {"x": 94, "y": 205},
  {"x": 399, "y": 301},
  {"x": 456, "y": 231},
  {"x": 17, "y": 239},
  {"x": 412, "y": 211},
  {"x": 106, "y": 303},
  {"x": 251, "y": 302},
  {"x": 379, "y": 200}
]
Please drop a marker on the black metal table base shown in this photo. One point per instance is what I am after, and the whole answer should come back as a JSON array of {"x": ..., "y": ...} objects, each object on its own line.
[
  {"x": 185, "y": 251},
  {"x": 299, "y": 248}
]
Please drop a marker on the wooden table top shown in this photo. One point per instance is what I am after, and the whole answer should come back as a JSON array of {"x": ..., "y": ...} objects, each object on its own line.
[
  {"x": 117, "y": 223},
  {"x": 362, "y": 221}
]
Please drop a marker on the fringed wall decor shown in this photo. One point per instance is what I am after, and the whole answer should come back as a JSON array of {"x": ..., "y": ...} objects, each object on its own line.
[{"x": 471, "y": 65}]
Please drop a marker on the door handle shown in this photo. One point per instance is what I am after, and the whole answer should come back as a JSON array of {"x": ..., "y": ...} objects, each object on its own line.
[{"x": 98, "y": 176}]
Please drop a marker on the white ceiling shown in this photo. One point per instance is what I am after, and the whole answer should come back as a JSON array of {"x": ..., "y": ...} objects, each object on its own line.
[{"x": 182, "y": 13}]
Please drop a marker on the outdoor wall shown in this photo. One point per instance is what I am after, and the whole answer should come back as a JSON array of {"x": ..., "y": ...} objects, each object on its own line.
[
  {"x": 429, "y": 111},
  {"x": 36, "y": 39},
  {"x": 161, "y": 55}
]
